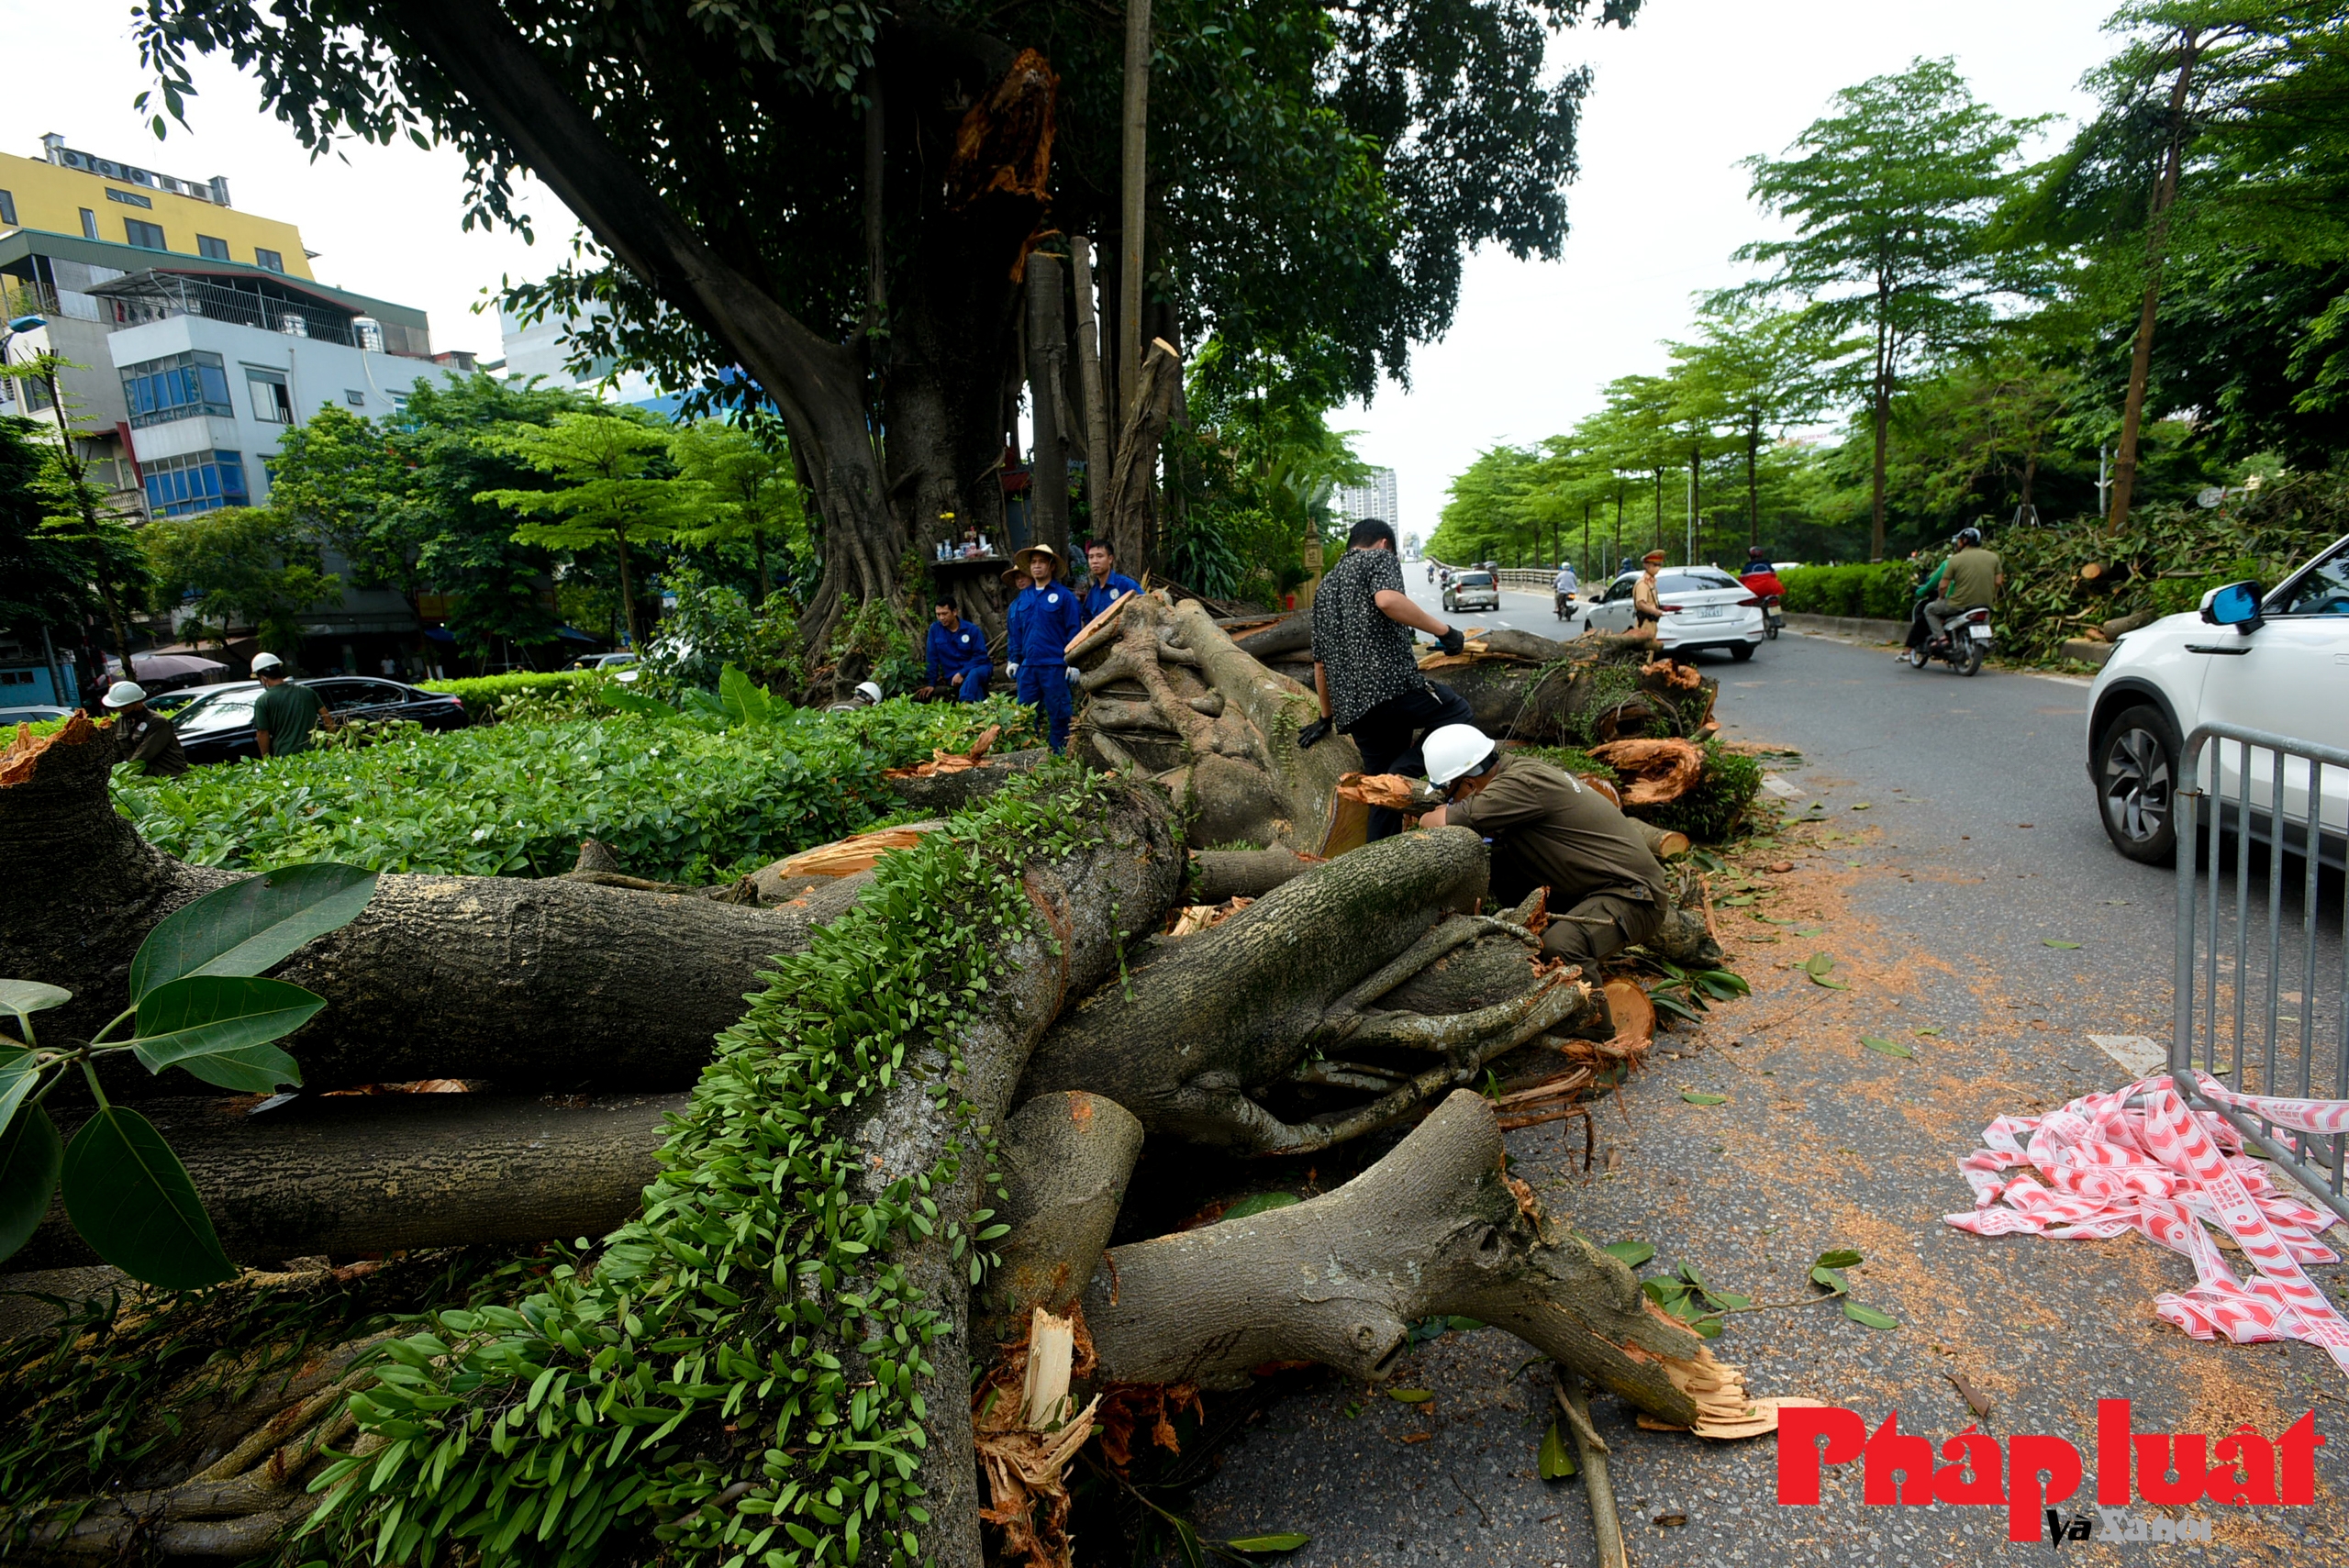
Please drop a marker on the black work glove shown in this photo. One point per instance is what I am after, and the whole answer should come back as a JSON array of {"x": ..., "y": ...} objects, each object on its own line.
[
  {"x": 1312, "y": 735},
  {"x": 1451, "y": 641}
]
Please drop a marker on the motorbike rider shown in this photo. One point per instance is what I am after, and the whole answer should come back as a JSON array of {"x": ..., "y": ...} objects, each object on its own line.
[
  {"x": 1567, "y": 585},
  {"x": 1969, "y": 579}
]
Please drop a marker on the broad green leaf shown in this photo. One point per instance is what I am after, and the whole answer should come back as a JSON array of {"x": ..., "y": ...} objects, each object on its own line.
[
  {"x": 1729, "y": 1300},
  {"x": 639, "y": 703},
  {"x": 1869, "y": 1316},
  {"x": 248, "y": 926},
  {"x": 1706, "y": 1327},
  {"x": 207, "y": 1015},
  {"x": 1664, "y": 1292},
  {"x": 131, "y": 1198},
  {"x": 1411, "y": 1395},
  {"x": 18, "y": 1075},
  {"x": 1695, "y": 1099},
  {"x": 1811, "y": 930},
  {"x": 1186, "y": 1540},
  {"x": 1286, "y": 1541},
  {"x": 1460, "y": 1325},
  {"x": 1838, "y": 1258},
  {"x": 746, "y": 701},
  {"x": 1688, "y": 1272},
  {"x": 1259, "y": 1203},
  {"x": 249, "y": 1070},
  {"x": 2051, "y": 942},
  {"x": 26, "y": 997},
  {"x": 1831, "y": 1281},
  {"x": 1819, "y": 967},
  {"x": 1633, "y": 1253},
  {"x": 1556, "y": 1460},
  {"x": 30, "y": 1155},
  {"x": 1887, "y": 1047}
]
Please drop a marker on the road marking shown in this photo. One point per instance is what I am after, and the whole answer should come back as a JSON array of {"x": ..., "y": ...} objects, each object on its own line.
[
  {"x": 1778, "y": 785},
  {"x": 2139, "y": 1056}
]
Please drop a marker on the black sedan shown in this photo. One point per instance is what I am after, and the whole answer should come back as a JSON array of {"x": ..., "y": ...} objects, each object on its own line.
[{"x": 216, "y": 724}]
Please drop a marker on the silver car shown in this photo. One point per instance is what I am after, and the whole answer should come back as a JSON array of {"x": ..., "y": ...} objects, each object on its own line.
[{"x": 1471, "y": 591}]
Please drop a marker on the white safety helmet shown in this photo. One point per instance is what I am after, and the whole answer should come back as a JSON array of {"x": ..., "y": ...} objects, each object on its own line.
[
  {"x": 1455, "y": 750},
  {"x": 869, "y": 690},
  {"x": 122, "y": 693},
  {"x": 264, "y": 662}
]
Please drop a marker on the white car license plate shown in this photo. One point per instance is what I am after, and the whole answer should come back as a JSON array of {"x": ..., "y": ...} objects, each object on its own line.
[
  {"x": 1706, "y": 612},
  {"x": 1981, "y": 633}
]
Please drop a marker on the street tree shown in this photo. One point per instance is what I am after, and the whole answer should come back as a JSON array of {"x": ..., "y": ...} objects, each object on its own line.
[
  {"x": 1890, "y": 194},
  {"x": 603, "y": 490},
  {"x": 739, "y": 489},
  {"x": 826, "y": 211},
  {"x": 238, "y": 566},
  {"x": 1756, "y": 374}
]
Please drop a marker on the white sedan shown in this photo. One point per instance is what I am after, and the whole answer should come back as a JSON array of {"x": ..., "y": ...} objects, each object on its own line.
[
  {"x": 2274, "y": 661},
  {"x": 1703, "y": 607}
]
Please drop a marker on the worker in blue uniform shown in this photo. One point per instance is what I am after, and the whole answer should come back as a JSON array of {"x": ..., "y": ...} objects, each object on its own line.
[
  {"x": 1109, "y": 584},
  {"x": 959, "y": 668},
  {"x": 1045, "y": 618}
]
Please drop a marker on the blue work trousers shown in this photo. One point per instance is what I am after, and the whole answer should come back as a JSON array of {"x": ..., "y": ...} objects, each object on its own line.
[
  {"x": 1047, "y": 685},
  {"x": 971, "y": 686}
]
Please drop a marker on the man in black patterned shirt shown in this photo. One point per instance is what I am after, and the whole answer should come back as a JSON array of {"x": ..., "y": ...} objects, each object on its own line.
[{"x": 1364, "y": 668}]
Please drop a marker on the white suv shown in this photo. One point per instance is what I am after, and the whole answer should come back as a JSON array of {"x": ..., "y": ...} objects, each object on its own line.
[{"x": 2276, "y": 662}]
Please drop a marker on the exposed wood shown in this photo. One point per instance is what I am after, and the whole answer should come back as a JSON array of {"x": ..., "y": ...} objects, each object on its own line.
[{"x": 1662, "y": 769}]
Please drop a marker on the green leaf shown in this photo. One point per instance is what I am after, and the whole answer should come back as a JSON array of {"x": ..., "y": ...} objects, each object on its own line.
[
  {"x": 1556, "y": 1460},
  {"x": 30, "y": 1156},
  {"x": 1886, "y": 1047},
  {"x": 746, "y": 701},
  {"x": 130, "y": 1197},
  {"x": 1869, "y": 1316},
  {"x": 1831, "y": 1281},
  {"x": 1460, "y": 1325},
  {"x": 1729, "y": 1300},
  {"x": 1411, "y": 1395},
  {"x": 1839, "y": 1258},
  {"x": 2051, "y": 942},
  {"x": 1186, "y": 1540},
  {"x": 1695, "y": 1099},
  {"x": 1283, "y": 1542},
  {"x": 220, "y": 1018},
  {"x": 1632, "y": 1253},
  {"x": 1819, "y": 966},
  {"x": 252, "y": 925},
  {"x": 1259, "y": 1203},
  {"x": 26, "y": 997},
  {"x": 19, "y": 1073},
  {"x": 251, "y": 1070},
  {"x": 1706, "y": 1327}
]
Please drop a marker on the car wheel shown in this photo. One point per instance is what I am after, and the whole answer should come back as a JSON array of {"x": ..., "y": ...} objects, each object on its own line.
[
  {"x": 1741, "y": 651},
  {"x": 2136, "y": 770}
]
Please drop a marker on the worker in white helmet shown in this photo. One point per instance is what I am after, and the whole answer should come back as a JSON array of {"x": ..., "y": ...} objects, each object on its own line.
[
  {"x": 867, "y": 694},
  {"x": 1548, "y": 829},
  {"x": 140, "y": 734}
]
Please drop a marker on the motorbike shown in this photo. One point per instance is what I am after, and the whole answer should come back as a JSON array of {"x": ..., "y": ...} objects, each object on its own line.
[
  {"x": 1565, "y": 607},
  {"x": 1967, "y": 644},
  {"x": 1774, "y": 615}
]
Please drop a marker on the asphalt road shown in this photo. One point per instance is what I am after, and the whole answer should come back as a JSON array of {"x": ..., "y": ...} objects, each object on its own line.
[{"x": 1942, "y": 842}]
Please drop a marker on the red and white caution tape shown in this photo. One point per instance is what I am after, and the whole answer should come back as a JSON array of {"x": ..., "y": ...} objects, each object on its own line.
[{"x": 2104, "y": 1166}]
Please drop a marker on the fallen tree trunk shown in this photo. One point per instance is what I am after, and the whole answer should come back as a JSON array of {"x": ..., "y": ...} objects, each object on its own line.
[
  {"x": 347, "y": 1176},
  {"x": 1435, "y": 1227}
]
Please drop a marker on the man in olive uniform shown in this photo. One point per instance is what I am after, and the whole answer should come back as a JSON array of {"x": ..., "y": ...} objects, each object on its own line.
[
  {"x": 1970, "y": 579},
  {"x": 1548, "y": 829},
  {"x": 285, "y": 713},
  {"x": 141, "y": 735},
  {"x": 1647, "y": 610}
]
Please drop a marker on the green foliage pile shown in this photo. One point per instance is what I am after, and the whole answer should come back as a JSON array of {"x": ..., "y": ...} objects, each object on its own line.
[
  {"x": 714, "y": 626},
  {"x": 485, "y": 695},
  {"x": 2167, "y": 557},
  {"x": 1878, "y": 592},
  {"x": 735, "y": 1375},
  {"x": 676, "y": 800}
]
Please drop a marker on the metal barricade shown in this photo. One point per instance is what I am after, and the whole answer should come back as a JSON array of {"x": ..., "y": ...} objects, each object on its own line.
[{"x": 2261, "y": 1002}]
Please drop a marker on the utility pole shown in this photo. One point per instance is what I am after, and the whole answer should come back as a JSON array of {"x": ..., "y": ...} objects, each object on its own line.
[
  {"x": 1136, "y": 159},
  {"x": 2133, "y": 412}
]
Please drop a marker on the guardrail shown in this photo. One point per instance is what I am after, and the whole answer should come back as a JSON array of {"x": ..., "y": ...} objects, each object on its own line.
[
  {"x": 1517, "y": 579},
  {"x": 2238, "y": 968}
]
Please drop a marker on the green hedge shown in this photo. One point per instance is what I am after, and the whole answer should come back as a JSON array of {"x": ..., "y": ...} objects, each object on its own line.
[
  {"x": 481, "y": 694},
  {"x": 1879, "y": 592},
  {"x": 678, "y": 801}
]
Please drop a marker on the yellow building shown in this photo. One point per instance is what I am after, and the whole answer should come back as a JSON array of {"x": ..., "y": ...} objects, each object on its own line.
[{"x": 74, "y": 193}]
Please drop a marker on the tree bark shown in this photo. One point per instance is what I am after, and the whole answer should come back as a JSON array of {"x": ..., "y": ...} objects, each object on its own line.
[
  {"x": 1066, "y": 1159},
  {"x": 1133, "y": 193},
  {"x": 1435, "y": 1227},
  {"x": 347, "y": 1176},
  {"x": 1047, "y": 353},
  {"x": 1880, "y": 415},
  {"x": 1157, "y": 389},
  {"x": 1098, "y": 456},
  {"x": 2141, "y": 353}
]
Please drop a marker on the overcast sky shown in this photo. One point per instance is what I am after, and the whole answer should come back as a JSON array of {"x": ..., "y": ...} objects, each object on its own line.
[{"x": 1678, "y": 99}]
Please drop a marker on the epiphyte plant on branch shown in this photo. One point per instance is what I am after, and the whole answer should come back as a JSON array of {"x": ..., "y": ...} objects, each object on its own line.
[{"x": 197, "y": 1002}]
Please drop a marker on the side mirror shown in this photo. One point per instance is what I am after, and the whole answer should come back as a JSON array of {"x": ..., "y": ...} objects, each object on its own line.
[{"x": 2235, "y": 605}]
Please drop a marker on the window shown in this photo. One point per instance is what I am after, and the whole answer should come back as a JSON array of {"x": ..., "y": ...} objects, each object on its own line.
[
  {"x": 225, "y": 711},
  {"x": 216, "y": 250},
  {"x": 2322, "y": 590},
  {"x": 179, "y": 388},
  {"x": 200, "y": 481},
  {"x": 272, "y": 404},
  {"x": 269, "y": 260},
  {"x": 356, "y": 399},
  {"x": 89, "y": 224},
  {"x": 145, "y": 236},
  {"x": 7, "y": 208},
  {"x": 128, "y": 199}
]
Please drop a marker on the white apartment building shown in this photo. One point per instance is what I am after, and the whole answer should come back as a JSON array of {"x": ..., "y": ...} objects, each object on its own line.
[{"x": 1374, "y": 497}]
